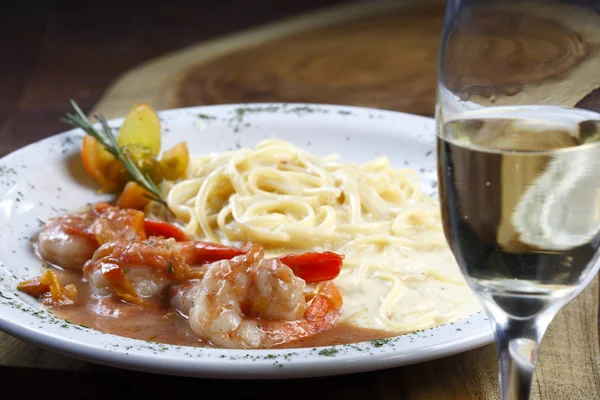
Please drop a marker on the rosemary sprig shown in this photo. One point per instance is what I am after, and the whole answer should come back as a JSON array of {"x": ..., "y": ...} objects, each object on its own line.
[{"x": 108, "y": 140}]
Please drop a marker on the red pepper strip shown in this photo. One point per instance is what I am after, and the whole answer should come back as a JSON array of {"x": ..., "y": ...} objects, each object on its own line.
[
  {"x": 86, "y": 233},
  {"x": 314, "y": 267},
  {"x": 166, "y": 230},
  {"x": 198, "y": 253}
]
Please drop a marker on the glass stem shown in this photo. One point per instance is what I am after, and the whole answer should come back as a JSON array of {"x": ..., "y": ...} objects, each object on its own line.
[{"x": 517, "y": 342}]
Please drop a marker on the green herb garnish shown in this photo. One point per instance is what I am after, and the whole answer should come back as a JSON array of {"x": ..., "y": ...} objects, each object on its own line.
[
  {"x": 329, "y": 352},
  {"x": 380, "y": 342},
  {"x": 106, "y": 138}
]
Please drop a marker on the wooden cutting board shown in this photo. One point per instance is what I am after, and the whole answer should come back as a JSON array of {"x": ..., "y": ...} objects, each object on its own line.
[{"x": 379, "y": 54}]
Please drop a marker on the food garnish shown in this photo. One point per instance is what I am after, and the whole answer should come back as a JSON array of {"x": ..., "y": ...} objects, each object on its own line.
[
  {"x": 130, "y": 160},
  {"x": 133, "y": 196},
  {"x": 50, "y": 289}
]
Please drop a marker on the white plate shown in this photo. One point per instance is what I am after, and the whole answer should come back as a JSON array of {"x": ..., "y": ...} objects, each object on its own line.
[{"x": 46, "y": 178}]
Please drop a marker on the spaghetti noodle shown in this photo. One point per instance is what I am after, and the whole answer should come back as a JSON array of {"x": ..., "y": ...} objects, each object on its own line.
[{"x": 398, "y": 273}]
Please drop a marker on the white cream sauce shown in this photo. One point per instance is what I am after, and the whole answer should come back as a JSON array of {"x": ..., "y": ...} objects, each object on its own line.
[{"x": 430, "y": 291}]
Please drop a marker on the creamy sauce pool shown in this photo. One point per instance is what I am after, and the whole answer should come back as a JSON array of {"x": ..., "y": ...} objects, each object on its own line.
[{"x": 429, "y": 291}]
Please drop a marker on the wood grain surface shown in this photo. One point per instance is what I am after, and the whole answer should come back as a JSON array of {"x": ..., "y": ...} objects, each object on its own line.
[
  {"x": 386, "y": 61},
  {"x": 381, "y": 54}
]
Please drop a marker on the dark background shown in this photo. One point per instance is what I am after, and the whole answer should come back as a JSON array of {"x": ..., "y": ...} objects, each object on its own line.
[{"x": 51, "y": 51}]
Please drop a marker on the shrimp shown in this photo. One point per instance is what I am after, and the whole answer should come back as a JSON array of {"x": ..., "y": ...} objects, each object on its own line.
[
  {"x": 253, "y": 302},
  {"x": 135, "y": 269},
  {"x": 70, "y": 240},
  {"x": 182, "y": 296},
  {"x": 60, "y": 243},
  {"x": 153, "y": 264}
]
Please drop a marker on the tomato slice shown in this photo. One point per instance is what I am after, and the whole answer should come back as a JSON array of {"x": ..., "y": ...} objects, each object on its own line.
[
  {"x": 133, "y": 196},
  {"x": 140, "y": 133},
  {"x": 141, "y": 127},
  {"x": 102, "y": 166},
  {"x": 174, "y": 162}
]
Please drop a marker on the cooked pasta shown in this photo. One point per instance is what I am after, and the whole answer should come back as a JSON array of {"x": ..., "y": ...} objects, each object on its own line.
[{"x": 398, "y": 273}]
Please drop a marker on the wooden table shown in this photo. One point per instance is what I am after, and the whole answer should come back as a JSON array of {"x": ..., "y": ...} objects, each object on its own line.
[{"x": 380, "y": 54}]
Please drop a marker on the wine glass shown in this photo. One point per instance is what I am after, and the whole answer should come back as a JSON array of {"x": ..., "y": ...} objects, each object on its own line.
[{"x": 519, "y": 163}]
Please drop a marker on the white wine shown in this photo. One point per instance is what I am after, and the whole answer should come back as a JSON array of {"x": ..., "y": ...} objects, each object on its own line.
[{"x": 520, "y": 199}]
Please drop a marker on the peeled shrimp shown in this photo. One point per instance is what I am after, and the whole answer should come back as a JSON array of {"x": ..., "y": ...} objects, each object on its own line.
[
  {"x": 253, "y": 302},
  {"x": 240, "y": 301},
  {"x": 70, "y": 240},
  {"x": 132, "y": 268},
  {"x": 144, "y": 268},
  {"x": 182, "y": 296},
  {"x": 60, "y": 243}
]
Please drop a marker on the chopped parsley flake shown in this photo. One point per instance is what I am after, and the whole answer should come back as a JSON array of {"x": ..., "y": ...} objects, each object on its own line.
[
  {"x": 329, "y": 352},
  {"x": 380, "y": 342}
]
